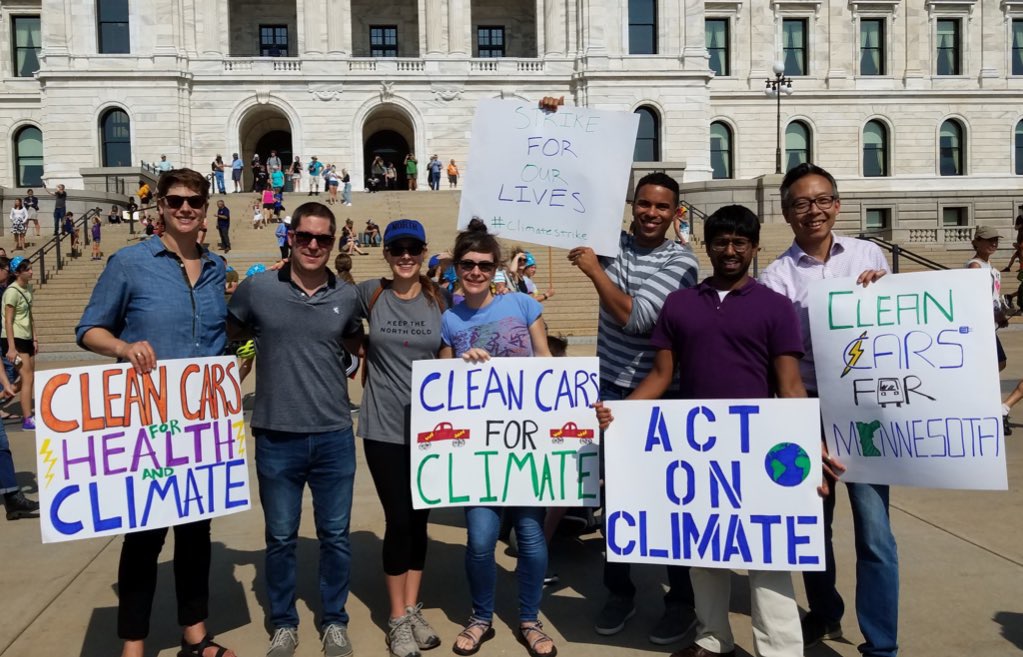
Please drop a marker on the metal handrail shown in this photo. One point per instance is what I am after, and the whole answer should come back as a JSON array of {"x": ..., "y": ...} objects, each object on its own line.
[
  {"x": 38, "y": 257},
  {"x": 901, "y": 252}
]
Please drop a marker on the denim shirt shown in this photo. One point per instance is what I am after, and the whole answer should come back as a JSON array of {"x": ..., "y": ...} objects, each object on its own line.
[{"x": 144, "y": 294}]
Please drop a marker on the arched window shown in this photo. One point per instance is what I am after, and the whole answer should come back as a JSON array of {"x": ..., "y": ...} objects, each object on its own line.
[
  {"x": 951, "y": 149},
  {"x": 648, "y": 138},
  {"x": 1019, "y": 148},
  {"x": 875, "y": 149},
  {"x": 720, "y": 150},
  {"x": 797, "y": 144},
  {"x": 28, "y": 157},
  {"x": 115, "y": 134}
]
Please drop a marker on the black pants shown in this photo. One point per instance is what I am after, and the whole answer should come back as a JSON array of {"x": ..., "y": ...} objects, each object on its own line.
[
  {"x": 285, "y": 250},
  {"x": 225, "y": 236},
  {"x": 136, "y": 577},
  {"x": 405, "y": 528}
]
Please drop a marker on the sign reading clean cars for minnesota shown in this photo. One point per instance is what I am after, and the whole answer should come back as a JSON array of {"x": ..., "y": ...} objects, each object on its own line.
[
  {"x": 908, "y": 378},
  {"x": 508, "y": 432}
]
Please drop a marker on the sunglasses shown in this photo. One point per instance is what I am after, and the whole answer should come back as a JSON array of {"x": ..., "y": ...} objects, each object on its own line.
[
  {"x": 485, "y": 266},
  {"x": 175, "y": 202},
  {"x": 303, "y": 238},
  {"x": 398, "y": 250}
]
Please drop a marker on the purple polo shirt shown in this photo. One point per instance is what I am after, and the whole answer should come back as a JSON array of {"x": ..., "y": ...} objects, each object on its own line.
[{"x": 726, "y": 348}]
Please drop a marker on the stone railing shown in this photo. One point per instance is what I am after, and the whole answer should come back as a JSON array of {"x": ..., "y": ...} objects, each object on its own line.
[
  {"x": 261, "y": 64},
  {"x": 958, "y": 235}
]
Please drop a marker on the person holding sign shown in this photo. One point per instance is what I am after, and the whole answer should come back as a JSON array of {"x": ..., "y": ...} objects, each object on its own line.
[
  {"x": 810, "y": 203},
  {"x": 176, "y": 310},
  {"x": 404, "y": 314},
  {"x": 485, "y": 326}
]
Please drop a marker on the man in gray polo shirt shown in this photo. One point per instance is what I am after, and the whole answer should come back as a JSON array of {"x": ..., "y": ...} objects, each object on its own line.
[{"x": 301, "y": 318}]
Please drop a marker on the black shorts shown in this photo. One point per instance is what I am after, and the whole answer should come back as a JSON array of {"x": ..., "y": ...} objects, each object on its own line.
[
  {"x": 268, "y": 206},
  {"x": 998, "y": 348},
  {"x": 23, "y": 346}
]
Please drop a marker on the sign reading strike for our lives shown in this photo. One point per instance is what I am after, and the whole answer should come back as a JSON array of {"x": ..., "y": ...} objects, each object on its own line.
[
  {"x": 118, "y": 451},
  {"x": 716, "y": 484},
  {"x": 508, "y": 432},
  {"x": 908, "y": 379},
  {"x": 552, "y": 178}
]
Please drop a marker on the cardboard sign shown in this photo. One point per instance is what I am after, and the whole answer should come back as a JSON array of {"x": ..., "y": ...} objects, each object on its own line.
[
  {"x": 119, "y": 452},
  {"x": 908, "y": 379},
  {"x": 509, "y": 432},
  {"x": 716, "y": 484},
  {"x": 552, "y": 178}
]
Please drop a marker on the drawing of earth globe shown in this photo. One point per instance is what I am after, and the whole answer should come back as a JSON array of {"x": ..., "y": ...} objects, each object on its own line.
[{"x": 787, "y": 464}]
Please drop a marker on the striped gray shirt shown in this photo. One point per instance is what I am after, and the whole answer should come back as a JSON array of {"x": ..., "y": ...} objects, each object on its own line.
[{"x": 648, "y": 276}]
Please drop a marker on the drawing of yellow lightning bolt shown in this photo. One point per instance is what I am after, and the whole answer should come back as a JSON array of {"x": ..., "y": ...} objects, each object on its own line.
[
  {"x": 239, "y": 436},
  {"x": 854, "y": 353},
  {"x": 49, "y": 459}
]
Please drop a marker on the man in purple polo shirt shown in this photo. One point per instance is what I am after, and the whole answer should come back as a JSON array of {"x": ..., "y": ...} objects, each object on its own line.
[{"x": 731, "y": 338}]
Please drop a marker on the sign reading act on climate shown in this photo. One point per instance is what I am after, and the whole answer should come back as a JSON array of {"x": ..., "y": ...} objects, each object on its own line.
[
  {"x": 717, "y": 484},
  {"x": 508, "y": 432},
  {"x": 119, "y": 451}
]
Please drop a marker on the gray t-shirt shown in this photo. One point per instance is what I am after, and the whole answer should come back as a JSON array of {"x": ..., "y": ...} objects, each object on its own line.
[
  {"x": 300, "y": 384},
  {"x": 400, "y": 331}
]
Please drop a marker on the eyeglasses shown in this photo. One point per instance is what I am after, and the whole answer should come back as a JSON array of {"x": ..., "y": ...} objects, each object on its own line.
[
  {"x": 740, "y": 244},
  {"x": 302, "y": 238},
  {"x": 175, "y": 202},
  {"x": 398, "y": 250},
  {"x": 822, "y": 202},
  {"x": 485, "y": 266}
]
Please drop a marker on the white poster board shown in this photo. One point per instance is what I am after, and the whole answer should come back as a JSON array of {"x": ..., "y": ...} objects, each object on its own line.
[
  {"x": 908, "y": 379},
  {"x": 716, "y": 484},
  {"x": 552, "y": 178},
  {"x": 118, "y": 452},
  {"x": 509, "y": 432}
]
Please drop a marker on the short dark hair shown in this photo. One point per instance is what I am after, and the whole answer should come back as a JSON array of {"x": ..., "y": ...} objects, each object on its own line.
[
  {"x": 312, "y": 209},
  {"x": 190, "y": 178},
  {"x": 660, "y": 179},
  {"x": 801, "y": 171},
  {"x": 476, "y": 240},
  {"x": 735, "y": 219},
  {"x": 557, "y": 345}
]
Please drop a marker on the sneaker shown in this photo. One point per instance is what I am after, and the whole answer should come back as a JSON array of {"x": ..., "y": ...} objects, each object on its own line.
[
  {"x": 550, "y": 579},
  {"x": 283, "y": 642},
  {"x": 400, "y": 640},
  {"x": 426, "y": 637},
  {"x": 676, "y": 622},
  {"x": 1006, "y": 427},
  {"x": 617, "y": 610},
  {"x": 816, "y": 629},
  {"x": 335, "y": 641},
  {"x": 29, "y": 424},
  {"x": 18, "y": 506}
]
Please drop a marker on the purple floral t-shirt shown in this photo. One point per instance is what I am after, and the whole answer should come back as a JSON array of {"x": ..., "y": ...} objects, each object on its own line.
[{"x": 501, "y": 327}]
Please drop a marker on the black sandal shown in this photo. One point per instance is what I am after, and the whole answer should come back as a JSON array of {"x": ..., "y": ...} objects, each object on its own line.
[
  {"x": 466, "y": 633},
  {"x": 536, "y": 628},
  {"x": 198, "y": 649}
]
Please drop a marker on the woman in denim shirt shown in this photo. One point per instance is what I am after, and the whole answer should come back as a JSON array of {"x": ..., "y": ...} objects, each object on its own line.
[{"x": 163, "y": 298}]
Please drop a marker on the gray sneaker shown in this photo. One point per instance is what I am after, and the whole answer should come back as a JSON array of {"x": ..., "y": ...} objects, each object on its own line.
[
  {"x": 400, "y": 640},
  {"x": 283, "y": 642},
  {"x": 675, "y": 624},
  {"x": 335, "y": 641},
  {"x": 426, "y": 637},
  {"x": 616, "y": 611}
]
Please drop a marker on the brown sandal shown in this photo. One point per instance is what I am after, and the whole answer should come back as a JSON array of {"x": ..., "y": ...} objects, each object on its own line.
[
  {"x": 536, "y": 628},
  {"x": 477, "y": 641}
]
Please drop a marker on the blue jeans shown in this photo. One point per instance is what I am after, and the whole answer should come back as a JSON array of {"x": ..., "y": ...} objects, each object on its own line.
[
  {"x": 346, "y": 193},
  {"x": 8, "y": 480},
  {"x": 877, "y": 571},
  {"x": 219, "y": 177},
  {"x": 285, "y": 463},
  {"x": 58, "y": 219},
  {"x": 483, "y": 524}
]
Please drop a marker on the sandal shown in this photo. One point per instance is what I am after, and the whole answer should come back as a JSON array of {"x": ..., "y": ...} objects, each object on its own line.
[
  {"x": 477, "y": 641},
  {"x": 9, "y": 417},
  {"x": 199, "y": 649},
  {"x": 536, "y": 628}
]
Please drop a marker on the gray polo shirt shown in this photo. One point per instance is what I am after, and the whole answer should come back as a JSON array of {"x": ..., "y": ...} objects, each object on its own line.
[{"x": 300, "y": 384}]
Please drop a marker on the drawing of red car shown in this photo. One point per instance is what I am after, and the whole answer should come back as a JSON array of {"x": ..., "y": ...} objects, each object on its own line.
[
  {"x": 443, "y": 431},
  {"x": 570, "y": 430}
]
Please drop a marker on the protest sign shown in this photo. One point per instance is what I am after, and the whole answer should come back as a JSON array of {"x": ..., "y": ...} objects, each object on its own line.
[
  {"x": 508, "y": 432},
  {"x": 908, "y": 379},
  {"x": 552, "y": 178},
  {"x": 118, "y": 451},
  {"x": 716, "y": 484}
]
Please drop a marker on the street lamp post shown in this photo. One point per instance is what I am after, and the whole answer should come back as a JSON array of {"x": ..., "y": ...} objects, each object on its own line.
[{"x": 774, "y": 88}]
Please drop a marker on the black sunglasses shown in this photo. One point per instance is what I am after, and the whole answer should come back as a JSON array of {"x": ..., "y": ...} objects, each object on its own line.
[
  {"x": 175, "y": 202},
  {"x": 398, "y": 250},
  {"x": 486, "y": 266},
  {"x": 303, "y": 238}
]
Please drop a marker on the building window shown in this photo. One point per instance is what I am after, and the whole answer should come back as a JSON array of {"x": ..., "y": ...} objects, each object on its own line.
[
  {"x": 273, "y": 40},
  {"x": 490, "y": 41},
  {"x": 648, "y": 137},
  {"x": 1017, "y": 46},
  {"x": 27, "y": 42},
  {"x": 383, "y": 41},
  {"x": 793, "y": 41},
  {"x": 951, "y": 217},
  {"x": 951, "y": 153},
  {"x": 875, "y": 149},
  {"x": 642, "y": 27},
  {"x": 878, "y": 218},
  {"x": 112, "y": 24},
  {"x": 1018, "y": 140},
  {"x": 115, "y": 133},
  {"x": 797, "y": 144},
  {"x": 872, "y": 46},
  {"x": 720, "y": 150},
  {"x": 948, "y": 51},
  {"x": 717, "y": 45},
  {"x": 28, "y": 157}
]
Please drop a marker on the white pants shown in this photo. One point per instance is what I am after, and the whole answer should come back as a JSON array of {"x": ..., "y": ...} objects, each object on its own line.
[
  {"x": 314, "y": 183},
  {"x": 776, "y": 630}
]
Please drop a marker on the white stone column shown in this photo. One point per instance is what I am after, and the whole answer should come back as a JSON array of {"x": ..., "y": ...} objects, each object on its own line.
[
  {"x": 459, "y": 26},
  {"x": 339, "y": 25},
  {"x": 54, "y": 27},
  {"x": 213, "y": 33},
  {"x": 554, "y": 33},
  {"x": 595, "y": 13},
  {"x": 433, "y": 16},
  {"x": 311, "y": 17}
]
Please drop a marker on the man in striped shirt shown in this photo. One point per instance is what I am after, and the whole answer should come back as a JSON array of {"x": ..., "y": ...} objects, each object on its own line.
[{"x": 632, "y": 288}]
